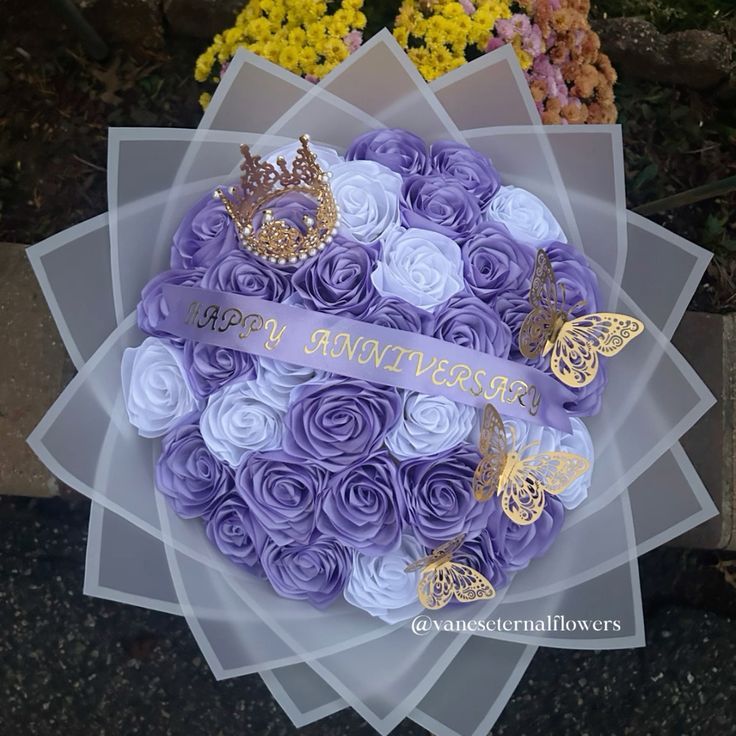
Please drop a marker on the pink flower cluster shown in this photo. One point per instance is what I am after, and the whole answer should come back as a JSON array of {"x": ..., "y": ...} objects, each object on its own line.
[{"x": 570, "y": 79}]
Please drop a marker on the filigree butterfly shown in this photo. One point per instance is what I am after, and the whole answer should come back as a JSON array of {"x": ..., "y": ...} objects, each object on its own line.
[
  {"x": 522, "y": 482},
  {"x": 441, "y": 578},
  {"x": 575, "y": 344}
]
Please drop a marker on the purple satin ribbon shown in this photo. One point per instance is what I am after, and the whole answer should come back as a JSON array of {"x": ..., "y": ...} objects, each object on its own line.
[{"x": 369, "y": 352}]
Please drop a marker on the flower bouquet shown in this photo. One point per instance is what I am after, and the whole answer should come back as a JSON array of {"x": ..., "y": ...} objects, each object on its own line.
[{"x": 381, "y": 409}]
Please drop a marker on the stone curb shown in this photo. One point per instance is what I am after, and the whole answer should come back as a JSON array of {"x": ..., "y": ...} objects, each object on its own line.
[{"x": 31, "y": 372}]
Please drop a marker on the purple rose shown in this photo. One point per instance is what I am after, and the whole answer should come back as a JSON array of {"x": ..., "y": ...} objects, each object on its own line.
[
  {"x": 338, "y": 280},
  {"x": 204, "y": 235},
  {"x": 467, "y": 321},
  {"x": 439, "y": 499},
  {"x": 234, "y": 531},
  {"x": 588, "y": 399},
  {"x": 283, "y": 494},
  {"x": 516, "y": 545},
  {"x": 573, "y": 273},
  {"x": 189, "y": 475},
  {"x": 496, "y": 265},
  {"x": 440, "y": 203},
  {"x": 152, "y": 309},
  {"x": 339, "y": 422},
  {"x": 580, "y": 284},
  {"x": 390, "y": 311},
  {"x": 290, "y": 208},
  {"x": 395, "y": 148},
  {"x": 210, "y": 367},
  {"x": 469, "y": 167},
  {"x": 361, "y": 506},
  {"x": 241, "y": 273},
  {"x": 587, "y": 402},
  {"x": 315, "y": 572},
  {"x": 513, "y": 309},
  {"x": 479, "y": 554}
]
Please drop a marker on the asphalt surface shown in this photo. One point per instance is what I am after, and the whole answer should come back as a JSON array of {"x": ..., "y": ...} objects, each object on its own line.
[{"x": 77, "y": 665}]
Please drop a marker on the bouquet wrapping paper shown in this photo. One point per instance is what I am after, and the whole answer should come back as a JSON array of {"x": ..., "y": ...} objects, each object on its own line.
[{"x": 643, "y": 490}]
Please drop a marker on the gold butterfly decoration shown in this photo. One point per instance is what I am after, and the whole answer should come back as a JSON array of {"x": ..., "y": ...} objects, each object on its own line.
[
  {"x": 441, "y": 578},
  {"x": 575, "y": 344},
  {"x": 522, "y": 482}
]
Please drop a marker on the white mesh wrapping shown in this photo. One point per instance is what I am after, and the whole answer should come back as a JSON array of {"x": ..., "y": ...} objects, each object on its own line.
[{"x": 644, "y": 488}]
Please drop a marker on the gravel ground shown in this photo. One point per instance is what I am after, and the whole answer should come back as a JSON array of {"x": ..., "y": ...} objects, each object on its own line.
[{"x": 78, "y": 665}]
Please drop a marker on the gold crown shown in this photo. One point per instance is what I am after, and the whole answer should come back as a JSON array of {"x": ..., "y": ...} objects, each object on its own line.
[{"x": 262, "y": 182}]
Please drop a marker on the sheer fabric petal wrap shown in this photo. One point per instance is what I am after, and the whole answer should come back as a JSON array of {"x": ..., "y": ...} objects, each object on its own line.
[{"x": 643, "y": 491}]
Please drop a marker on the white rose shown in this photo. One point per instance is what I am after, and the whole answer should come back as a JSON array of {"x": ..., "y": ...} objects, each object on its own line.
[
  {"x": 525, "y": 216},
  {"x": 155, "y": 388},
  {"x": 428, "y": 425},
  {"x": 276, "y": 379},
  {"x": 421, "y": 267},
  {"x": 326, "y": 157},
  {"x": 380, "y": 585},
  {"x": 580, "y": 443},
  {"x": 549, "y": 439},
  {"x": 235, "y": 423},
  {"x": 368, "y": 197},
  {"x": 523, "y": 434}
]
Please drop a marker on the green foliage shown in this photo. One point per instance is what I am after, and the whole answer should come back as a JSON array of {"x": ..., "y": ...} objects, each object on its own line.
[
  {"x": 677, "y": 139},
  {"x": 672, "y": 15},
  {"x": 380, "y": 14}
]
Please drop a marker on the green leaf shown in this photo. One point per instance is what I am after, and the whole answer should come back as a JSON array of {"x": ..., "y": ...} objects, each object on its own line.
[{"x": 646, "y": 175}]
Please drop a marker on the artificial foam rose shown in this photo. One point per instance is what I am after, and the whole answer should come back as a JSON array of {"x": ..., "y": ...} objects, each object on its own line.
[
  {"x": 496, "y": 265},
  {"x": 282, "y": 493},
  {"x": 242, "y": 273},
  {"x": 235, "y": 423},
  {"x": 204, "y": 235},
  {"x": 581, "y": 291},
  {"x": 574, "y": 275},
  {"x": 382, "y": 587},
  {"x": 316, "y": 572},
  {"x": 391, "y": 311},
  {"x": 467, "y": 321},
  {"x": 467, "y": 166},
  {"x": 478, "y": 553},
  {"x": 367, "y": 194},
  {"x": 429, "y": 425},
  {"x": 189, "y": 475},
  {"x": 513, "y": 309},
  {"x": 339, "y": 422},
  {"x": 326, "y": 157},
  {"x": 152, "y": 309},
  {"x": 525, "y": 215},
  {"x": 338, "y": 280},
  {"x": 395, "y": 148},
  {"x": 155, "y": 387},
  {"x": 440, "y": 203},
  {"x": 580, "y": 288},
  {"x": 290, "y": 208},
  {"x": 438, "y": 496},
  {"x": 234, "y": 531},
  {"x": 211, "y": 367},
  {"x": 533, "y": 439},
  {"x": 579, "y": 442},
  {"x": 421, "y": 267},
  {"x": 360, "y": 506},
  {"x": 277, "y": 379},
  {"x": 516, "y": 545}
]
